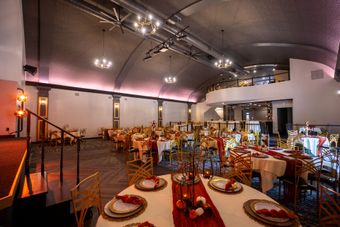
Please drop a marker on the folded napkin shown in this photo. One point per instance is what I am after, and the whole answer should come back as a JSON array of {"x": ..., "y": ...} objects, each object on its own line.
[
  {"x": 130, "y": 199},
  {"x": 155, "y": 179},
  {"x": 276, "y": 213},
  {"x": 229, "y": 184},
  {"x": 145, "y": 224}
]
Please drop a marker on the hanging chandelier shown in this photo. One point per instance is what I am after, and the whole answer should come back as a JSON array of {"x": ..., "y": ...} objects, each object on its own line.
[
  {"x": 170, "y": 79},
  {"x": 223, "y": 63},
  {"x": 102, "y": 62},
  {"x": 147, "y": 25}
]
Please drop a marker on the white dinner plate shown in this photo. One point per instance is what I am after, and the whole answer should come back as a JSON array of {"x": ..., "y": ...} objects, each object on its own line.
[
  {"x": 119, "y": 207},
  {"x": 259, "y": 205}
]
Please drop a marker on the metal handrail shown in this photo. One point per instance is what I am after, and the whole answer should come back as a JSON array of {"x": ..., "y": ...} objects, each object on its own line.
[
  {"x": 63, "y": 131},
  {"x": 47, "y": 121}
]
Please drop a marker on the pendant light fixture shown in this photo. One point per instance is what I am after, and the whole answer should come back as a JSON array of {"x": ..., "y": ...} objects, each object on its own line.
[
  {"x": 223, "y": 63},
  {"x": 170, "y": 79},
  {"x": 147, "y": 25},
  {"x": 102, "y": 62}
]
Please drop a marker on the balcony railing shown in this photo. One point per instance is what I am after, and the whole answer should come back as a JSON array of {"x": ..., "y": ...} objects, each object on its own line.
[{"x": 251, "y": 81}]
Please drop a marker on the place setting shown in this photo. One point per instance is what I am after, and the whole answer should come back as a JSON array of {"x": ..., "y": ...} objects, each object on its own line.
[
  {"x": 225, "y": 185},
  {"x": 153, "y": 183},
  {"x": 124, "y": 207},
  {"x": 186, "y": 178},
  {"x": 259, "y": 155},
  {"x": 270, "y": 213}
]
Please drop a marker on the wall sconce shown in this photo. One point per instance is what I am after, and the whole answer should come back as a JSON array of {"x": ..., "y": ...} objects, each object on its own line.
[
  {"x": 22, "y": 97},
  {"x": 189, "y": 110},
  {"x": 20, "y": 113},
  {"x": 160, "y": 108}
]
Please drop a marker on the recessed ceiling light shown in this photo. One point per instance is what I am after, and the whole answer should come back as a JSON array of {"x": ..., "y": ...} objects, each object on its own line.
[
  {"x": 338, "y": 92},
  {"x": 254, "y": 71}
]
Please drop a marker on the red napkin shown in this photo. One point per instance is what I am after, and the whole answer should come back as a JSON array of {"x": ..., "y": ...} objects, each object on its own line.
[
  {"x": 276, "y": 213},
  {"x": 145, "y": 224},
  {"x": 229, "y": 184},
  {"x": 155, "y": 179},
  {"x": 130, "y": 199}
]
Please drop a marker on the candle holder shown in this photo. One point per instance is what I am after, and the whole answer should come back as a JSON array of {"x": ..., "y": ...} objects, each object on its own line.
[{"x": 207, "y": 174}]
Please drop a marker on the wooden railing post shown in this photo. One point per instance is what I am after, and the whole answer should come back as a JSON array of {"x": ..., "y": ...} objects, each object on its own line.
[
  {"x": 62, "y": 158},
  {"x": 42, "y": 169},
  {"x": 28, "y": 141},
  {"x": 78, "y": 154}
]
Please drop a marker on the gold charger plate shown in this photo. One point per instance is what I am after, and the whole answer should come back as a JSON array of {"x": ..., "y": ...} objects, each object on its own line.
[
  {"x": 177, "y": 178},
  {"x": 108, "y": 214},
  {"x": 217, "y": 182},
  {"x": 141, "y": 186},
  {"x": 134, "y": 224},
  {"x": 127, "y": 207},
  {"x": 248, "y": 206}
]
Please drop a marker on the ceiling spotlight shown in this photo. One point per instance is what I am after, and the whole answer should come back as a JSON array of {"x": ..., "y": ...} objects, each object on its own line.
[
  {"x": 156, "y": 52},
  {"x": 274, "y": 69},
  {"x": 164, "y": 48},
  {"x": 254, "y": 71},
  {"x": 147, "y": 57}
]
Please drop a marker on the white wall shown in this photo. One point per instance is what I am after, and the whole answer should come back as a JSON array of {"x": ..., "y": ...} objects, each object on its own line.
[
  {"x": 314, "y": 100},
  {"x": 174, "y": 111},
  {"x": 88, "y": 110},
  {"x": 137, "y": 112},
  {"x": 12, "y": 42},
  {"x": 275, "y": 106}
]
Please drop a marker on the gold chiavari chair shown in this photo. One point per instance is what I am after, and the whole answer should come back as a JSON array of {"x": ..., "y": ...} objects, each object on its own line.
[
  {"x": 329, "y": 207},
  {"x": 330, "y": 168},
  {"x": 281, "y": 142},
  {"x": 257, "y": 138},
  {"x": 136, "y": 170},
  {"x": 311, "y": 169},
  {"x": 241, "y": 167},
  {"x": 333, "y": 139},
  {"x": 85, "y": 195},
  {"x": 175, "y": 149}
]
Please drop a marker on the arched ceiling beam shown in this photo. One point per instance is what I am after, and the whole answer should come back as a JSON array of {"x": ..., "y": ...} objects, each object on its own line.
[
  {"x": 128, "y": 64},
  {"x": 296, "y": 45}
]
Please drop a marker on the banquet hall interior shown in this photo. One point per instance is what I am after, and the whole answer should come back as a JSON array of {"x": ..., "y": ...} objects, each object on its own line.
[{"x": 169, "y": 113}]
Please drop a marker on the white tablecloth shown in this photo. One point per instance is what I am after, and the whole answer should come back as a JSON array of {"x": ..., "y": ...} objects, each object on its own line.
[
  {"x": 311, "y": 143},
  {"x": 253, "y": 125},
  {"x": 141, "y": 145},
  {"x": 270, "y": 168},
  {"x": 161, "y": 146},
  {"x": 159, "y": 209}
]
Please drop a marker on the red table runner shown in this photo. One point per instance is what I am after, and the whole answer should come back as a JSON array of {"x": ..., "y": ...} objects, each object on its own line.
[{"x": 206, "y": 220}]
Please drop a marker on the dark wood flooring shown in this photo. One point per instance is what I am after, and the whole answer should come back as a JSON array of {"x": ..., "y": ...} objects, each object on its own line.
[{"x": 96, "y": 155}]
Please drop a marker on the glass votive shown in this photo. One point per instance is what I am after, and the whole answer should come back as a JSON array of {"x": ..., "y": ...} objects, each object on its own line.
[{"x": 207, "y": 174}]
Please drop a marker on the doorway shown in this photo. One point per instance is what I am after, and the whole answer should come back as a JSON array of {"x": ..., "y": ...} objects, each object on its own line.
[{"x": 284, "y": 120}]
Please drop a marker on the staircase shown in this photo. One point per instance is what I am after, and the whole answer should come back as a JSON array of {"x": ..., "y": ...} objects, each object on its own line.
[{"x": 42, "y": 198}]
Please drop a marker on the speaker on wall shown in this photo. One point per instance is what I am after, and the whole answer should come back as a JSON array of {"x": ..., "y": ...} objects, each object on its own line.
[
  {"x": 30, "y": 69},
  {"x": 337, "y": 67}
]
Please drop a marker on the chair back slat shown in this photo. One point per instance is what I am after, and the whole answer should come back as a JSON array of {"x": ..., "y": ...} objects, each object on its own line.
[
  {"x": 85, "y": 195},
  {"x": 329, "y": 207},
  {"x": 137, "y": 170}
]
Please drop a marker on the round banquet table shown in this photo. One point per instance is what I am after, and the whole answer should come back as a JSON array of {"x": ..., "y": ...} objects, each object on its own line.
[
  {"x": 161, "y": 146},
  {"x": 159, "y": 207}
]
